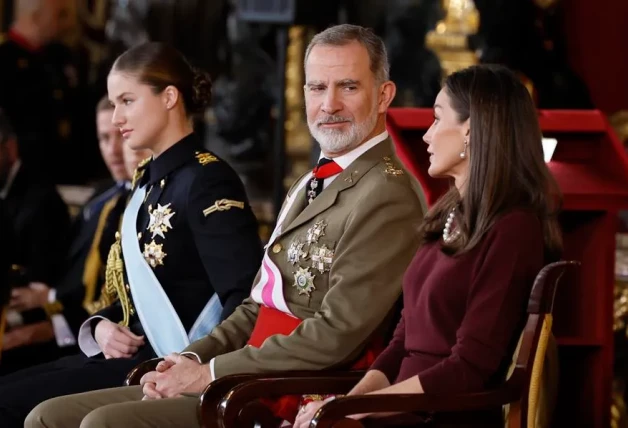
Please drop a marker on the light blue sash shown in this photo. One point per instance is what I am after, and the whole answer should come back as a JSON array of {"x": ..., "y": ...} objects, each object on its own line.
[{"x": 160, "y": 321}]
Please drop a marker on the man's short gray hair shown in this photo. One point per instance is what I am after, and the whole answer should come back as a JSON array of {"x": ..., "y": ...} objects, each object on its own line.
[{"x": 340, "y": 35}]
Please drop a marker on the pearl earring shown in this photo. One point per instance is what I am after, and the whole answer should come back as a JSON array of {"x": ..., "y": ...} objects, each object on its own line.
[{"x": 463, "y": 154}]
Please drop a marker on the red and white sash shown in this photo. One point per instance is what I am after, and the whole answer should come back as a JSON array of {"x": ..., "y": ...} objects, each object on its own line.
[{"x": 268, "y": 290}]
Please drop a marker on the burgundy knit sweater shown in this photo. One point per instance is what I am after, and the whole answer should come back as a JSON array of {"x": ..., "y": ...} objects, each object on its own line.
[{"x": 463, "y": 314}]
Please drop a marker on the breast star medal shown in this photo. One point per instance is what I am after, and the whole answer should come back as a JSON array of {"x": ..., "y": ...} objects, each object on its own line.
[
  {"x": 304, "y": 281},
  {"x": 154, "y": 254},
  {"x": 160, "y": 220},
  {"x": 315, "y": 232},
  {"x": 295, "y": 252},
  {"x": 322, "y": 258}
]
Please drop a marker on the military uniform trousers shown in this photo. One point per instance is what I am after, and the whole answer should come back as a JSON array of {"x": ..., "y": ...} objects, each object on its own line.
[
  {"x": 21, "y": 391},
  {"x": 113, "y": 408},
  {"x": 124, "y": 407}
]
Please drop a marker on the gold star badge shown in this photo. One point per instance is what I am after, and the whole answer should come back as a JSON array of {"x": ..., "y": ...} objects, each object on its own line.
[
  {"x": 304, "y": 281},
  {"x": 160, "y": 220},
  {"x": 154, "y": 254}
]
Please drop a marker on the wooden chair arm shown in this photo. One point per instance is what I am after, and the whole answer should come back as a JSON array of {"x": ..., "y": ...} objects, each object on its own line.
[
  {"x": 334, "y": 411},
  {"x": 279, "y": 384},
  {"x": 134, "y": 376},
  {"x": 213, "y": 394}
]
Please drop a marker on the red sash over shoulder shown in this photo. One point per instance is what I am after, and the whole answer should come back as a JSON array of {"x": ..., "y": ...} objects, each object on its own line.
[{"x": 270, "y": 322}]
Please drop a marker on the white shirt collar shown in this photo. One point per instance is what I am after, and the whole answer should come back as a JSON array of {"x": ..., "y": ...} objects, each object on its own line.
[
  {"x": 124, "y": 183},
  {"x": 12, "y": 173},
  {"x": 347, "y": 159}
]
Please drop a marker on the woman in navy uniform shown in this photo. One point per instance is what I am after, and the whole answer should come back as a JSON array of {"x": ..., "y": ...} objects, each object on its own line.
[{"x": 188, "y": 248}]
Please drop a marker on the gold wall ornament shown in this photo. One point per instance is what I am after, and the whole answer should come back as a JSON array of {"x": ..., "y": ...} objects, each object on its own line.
[
  {"x": 619, "y": 122},
  {"x": 298, "y": 139},
  {"x": 545, "y": 4},
  {"x": 620, "y": 304},
  {"x": 449, "y": 40},
  {"x": 619, "y": 418}
]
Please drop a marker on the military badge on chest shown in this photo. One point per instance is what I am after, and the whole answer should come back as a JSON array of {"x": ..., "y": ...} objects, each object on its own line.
[
  {"x": 160, "y": 220},
  {"x": 308, "y": 256},
  {"x": 158, "y": 225}
]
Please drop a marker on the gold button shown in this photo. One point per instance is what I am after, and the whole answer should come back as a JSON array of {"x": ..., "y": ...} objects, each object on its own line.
[
  {"x": 128, "y": 288},
  {"x": 139, "y": 235},
  {"x": 277, "y": 248}
]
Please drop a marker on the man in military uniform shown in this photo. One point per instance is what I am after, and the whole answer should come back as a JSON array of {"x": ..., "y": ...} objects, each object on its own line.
[
  {"x": 332, "y": 271},
  {"x": 73, "y": 298},
  {"x": 30, "y": 92},
  {"x": 5, "y": 255},
  {"x": 38, "y": 216}
]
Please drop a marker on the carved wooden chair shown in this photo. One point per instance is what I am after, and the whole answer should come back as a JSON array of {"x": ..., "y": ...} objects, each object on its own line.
[
  {"x": 213, "y": 395},
  {"x": 519, "y": 392}
]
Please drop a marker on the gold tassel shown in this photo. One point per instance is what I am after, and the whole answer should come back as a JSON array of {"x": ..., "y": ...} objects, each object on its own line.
[
  {"x": 114, "y": 288},
  {"x": 93, "y": 263}
]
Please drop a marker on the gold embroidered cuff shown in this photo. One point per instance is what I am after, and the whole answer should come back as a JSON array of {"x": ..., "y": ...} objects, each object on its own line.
[{"x": 53, "y": 308}]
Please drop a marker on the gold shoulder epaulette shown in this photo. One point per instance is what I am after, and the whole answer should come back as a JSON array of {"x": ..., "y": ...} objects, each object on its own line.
[
  {"x": 144, "y": 162},
  {"x": 139, "y": 171},
  {"x": 391, "y": 168},
  {"x": 205, "y": 158}
]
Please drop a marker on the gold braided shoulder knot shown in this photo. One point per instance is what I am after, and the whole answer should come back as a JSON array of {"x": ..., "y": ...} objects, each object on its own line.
[
  {"x": 114, "y": 281},
  {"x": 223, "y": 205},
  {"x": 139, "y": 171}
]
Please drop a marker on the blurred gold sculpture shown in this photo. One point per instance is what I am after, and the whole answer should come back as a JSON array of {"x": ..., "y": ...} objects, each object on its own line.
[
  {"x": 619, "y": 122},
  {"x": 298, "y": 140},
  {"x": 449, "y": 40}
]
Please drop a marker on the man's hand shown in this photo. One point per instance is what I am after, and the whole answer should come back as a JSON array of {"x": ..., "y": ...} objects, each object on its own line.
[
  {"x": 176, "y": 375},
  {"x": 116, "y": 341},
  {"x": 31, "y": 297},
  {"x": 28, "y": 335}
]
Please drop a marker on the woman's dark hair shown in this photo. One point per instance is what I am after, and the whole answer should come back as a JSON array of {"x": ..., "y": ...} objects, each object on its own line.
[
  {"x": 507, "y": 169},
  {"x": 159, "y": 65}
]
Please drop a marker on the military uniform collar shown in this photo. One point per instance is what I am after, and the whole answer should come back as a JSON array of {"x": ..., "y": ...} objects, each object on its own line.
[
  {"x": 347, "y": 159},
  {"x": 171, "y": 159}
]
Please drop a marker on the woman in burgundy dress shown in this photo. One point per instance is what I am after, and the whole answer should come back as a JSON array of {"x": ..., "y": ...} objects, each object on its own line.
[{"x": 483, "y": 243}]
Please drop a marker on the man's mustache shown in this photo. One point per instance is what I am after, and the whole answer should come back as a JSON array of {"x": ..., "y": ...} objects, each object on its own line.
[{"x": 332, "y": 119}]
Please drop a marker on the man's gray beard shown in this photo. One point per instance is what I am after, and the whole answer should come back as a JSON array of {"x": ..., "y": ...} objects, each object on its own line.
[{"x": 334, "y": 141}]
